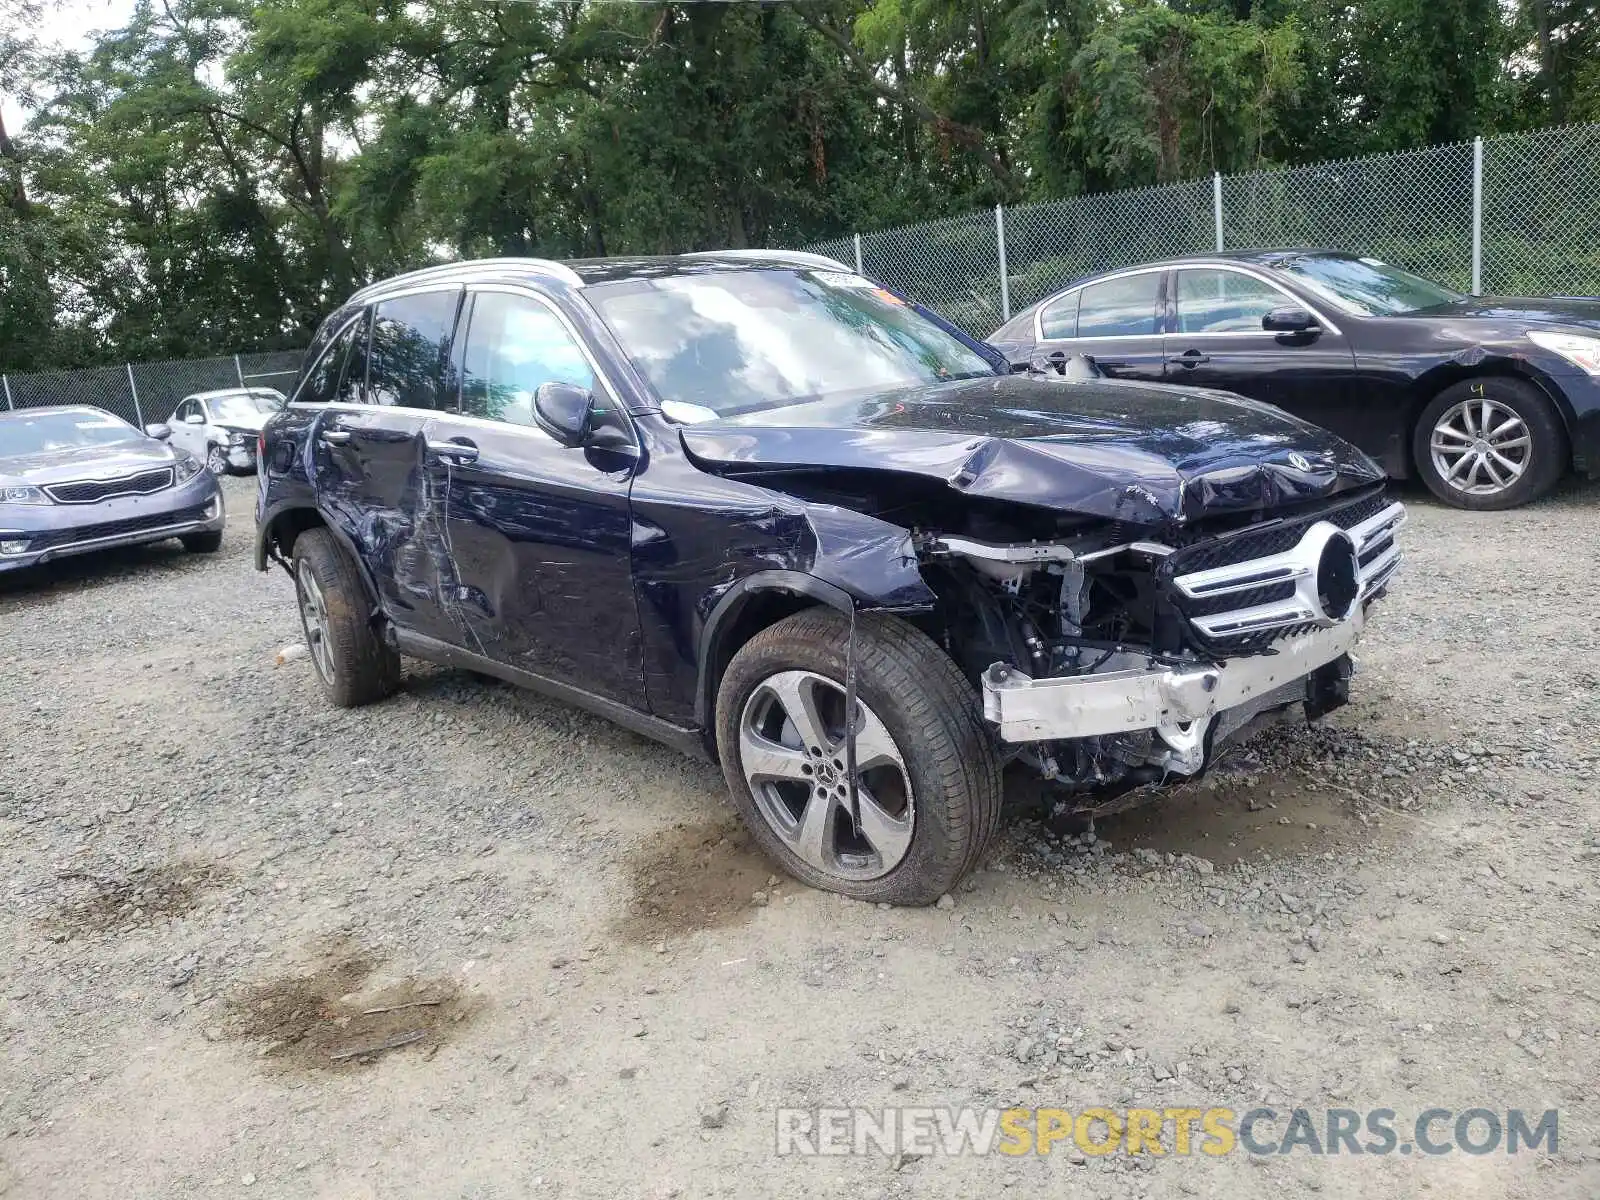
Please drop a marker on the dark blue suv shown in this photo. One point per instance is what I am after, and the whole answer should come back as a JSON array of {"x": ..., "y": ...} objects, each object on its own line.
[{"x": 760, "y": 508}]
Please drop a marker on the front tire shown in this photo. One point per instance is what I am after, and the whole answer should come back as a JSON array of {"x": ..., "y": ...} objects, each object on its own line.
[
  {"x": 216, "y": 460},
  {"x": 351, "y": 661},
  {"x": 928, "y": 780},
  {"x": 1489, "y": 444}
]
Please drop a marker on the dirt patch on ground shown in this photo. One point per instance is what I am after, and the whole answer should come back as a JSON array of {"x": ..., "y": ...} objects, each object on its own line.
[
  {"x": 1229, "y": 819},
  {"x": 701, "y": 876},
  {"x": 329, "y": 1019},
  {"x": 143, "y": 895}
]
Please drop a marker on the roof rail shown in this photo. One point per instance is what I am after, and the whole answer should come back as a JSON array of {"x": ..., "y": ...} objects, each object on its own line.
[
  {"x": 800, "y": 258},
  {"x": 479, "y": 266}
]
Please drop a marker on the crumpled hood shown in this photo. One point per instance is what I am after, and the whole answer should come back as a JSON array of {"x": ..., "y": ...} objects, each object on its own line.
[
  {"x": 109, "y": 461},
  {"x": 247, "y": 422},
  {"x": 1101, "y": 448}
]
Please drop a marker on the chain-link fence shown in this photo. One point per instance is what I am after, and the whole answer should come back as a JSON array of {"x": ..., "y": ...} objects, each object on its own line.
[
  {"x": 1508, "y": 215},
  {"x": 145, "y": 393}
]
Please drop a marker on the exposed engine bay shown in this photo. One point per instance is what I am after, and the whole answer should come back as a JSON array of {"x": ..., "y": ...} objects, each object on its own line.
[{"x": 1123, "y": 615}]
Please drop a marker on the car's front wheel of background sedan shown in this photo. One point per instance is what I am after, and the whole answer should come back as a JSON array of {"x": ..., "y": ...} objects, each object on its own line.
[
  {"x": 927, "y": 794},
  {"x": 216, "y": 460},
  {"x": 351, "y": 661},
  {"x": 1490, "y": 443}
]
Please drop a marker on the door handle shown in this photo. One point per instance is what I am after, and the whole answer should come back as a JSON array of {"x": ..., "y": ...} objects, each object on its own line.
[
  {"x": 1189, "y": 358},
  {"x": 462, "y": 452},
  {"x": 335, "y": 437}
]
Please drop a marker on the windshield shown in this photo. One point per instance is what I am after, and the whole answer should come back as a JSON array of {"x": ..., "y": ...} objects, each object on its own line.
[
  {"x": 735, "y": 341},
  {"x": 43, "y": 432},
  {"x": 244, "y": 407},
  {"x": 1366, "y": 287}
]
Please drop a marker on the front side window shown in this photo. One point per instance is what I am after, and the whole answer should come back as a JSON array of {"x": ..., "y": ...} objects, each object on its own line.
[
  {"x": 1060, "y": 318},
  {"x": 514, "y": 344},
  {"x": 1123, "y": 307},
  {"x": 410, "y": 349},
  {"x": 739, "y": 340},
  {"x": 1224, "y": 302},
  {"x": 326, "y": 381},
  {"x": 1365, "y": 287}
]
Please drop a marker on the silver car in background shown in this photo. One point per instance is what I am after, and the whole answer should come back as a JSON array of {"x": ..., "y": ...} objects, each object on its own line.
[
  {"x": 77, "y": 479},
  {"x": 220, "y": 428}
]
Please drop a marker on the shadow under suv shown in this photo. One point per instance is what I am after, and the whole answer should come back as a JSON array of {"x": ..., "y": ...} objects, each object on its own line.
[{"x": 762, "y": 509}]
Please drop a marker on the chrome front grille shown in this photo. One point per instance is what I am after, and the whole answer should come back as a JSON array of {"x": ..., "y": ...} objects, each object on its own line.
[
  {"x": 91, "y": 491},
  {"x": 1244, "y": 590}
]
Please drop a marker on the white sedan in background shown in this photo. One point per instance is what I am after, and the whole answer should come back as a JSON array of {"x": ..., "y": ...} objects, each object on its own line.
[{"x": 219, "y": 428}]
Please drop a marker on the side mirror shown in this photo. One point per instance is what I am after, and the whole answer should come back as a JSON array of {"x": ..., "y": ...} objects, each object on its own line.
[
  {"x": 1289, "y": 320},
  {"x": 194, "y": 419},
  {"x": 565, "y": 412},
  {"x": 161, "y": 431}
]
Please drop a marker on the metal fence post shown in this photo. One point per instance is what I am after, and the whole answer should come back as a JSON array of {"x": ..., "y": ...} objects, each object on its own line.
[
  {"x": 138, "y": 413},
  {"x": 1000, "y": 245},
  {"x": 5, "y": 383},
  {"x": 1477, "y": 216},
  {"x": 238, "y": 370},
  {"x": 1216, "y": 205},
  {"x": 859, "y": 269}
]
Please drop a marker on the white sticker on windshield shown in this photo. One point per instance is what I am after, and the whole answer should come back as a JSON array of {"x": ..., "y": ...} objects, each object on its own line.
[{"x": 842, "y": 279}]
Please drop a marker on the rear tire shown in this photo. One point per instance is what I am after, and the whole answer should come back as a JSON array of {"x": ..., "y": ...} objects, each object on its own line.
[
  {"x": 202, "y": 543},
  {"x": 1490, "y": 443},
  {"x": 351, "y": 662},
  {"x": 928, "y": 815}
]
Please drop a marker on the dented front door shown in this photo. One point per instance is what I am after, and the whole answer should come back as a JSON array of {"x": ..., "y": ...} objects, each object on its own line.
[
  {"x": 539, "y": 536},
  {"x": 538, "y": 540}
]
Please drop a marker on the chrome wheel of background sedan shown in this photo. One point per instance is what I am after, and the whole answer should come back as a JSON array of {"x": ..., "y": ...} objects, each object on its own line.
[
  {"x": 216, "y": 461},
  {"x": 1480, "y": 446},
  {"x": 792, "y": 750},
  {"x": 314, "y": 616}
]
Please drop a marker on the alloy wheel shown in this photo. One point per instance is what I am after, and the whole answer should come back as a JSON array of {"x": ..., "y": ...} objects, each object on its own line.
[
  {"x": 216, "y": 463},
  {"x": 793, "y": 754},
  {"x": 314, "y": 616},
  {"x": 1480, "y": 447}
]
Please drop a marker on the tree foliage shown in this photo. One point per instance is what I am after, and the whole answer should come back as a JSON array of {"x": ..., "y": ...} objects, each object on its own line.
[{"x": 217, "y": 173}]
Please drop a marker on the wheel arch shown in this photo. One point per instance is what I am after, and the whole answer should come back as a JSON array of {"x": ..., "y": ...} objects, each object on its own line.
[
  {"x": 280, "y": 529},
  {"x": 1430, "y": 384},
  {"x": 752, "y": 604}
]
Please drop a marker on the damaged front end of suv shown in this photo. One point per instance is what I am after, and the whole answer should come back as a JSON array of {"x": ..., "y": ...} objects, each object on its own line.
[
  {"x": 1131, "y": 576},
  {"x": 759, "y": 508}
]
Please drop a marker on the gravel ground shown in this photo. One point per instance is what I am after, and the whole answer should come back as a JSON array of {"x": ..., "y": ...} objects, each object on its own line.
[{"x": 590, "y": 986}]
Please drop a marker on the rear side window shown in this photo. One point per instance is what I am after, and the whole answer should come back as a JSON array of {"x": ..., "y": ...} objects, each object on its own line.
[
  {"x": 409, "y": 355},
  {"x": 513, "y": 345},
  {"x": 1060, "y": 318},
  {"x": 1123, "y": 307},
  {"x": 327, "y": 380}
]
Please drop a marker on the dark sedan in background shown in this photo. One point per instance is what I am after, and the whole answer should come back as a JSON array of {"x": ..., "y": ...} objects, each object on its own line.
[
  {"x": 1488, "y": 399},
  {"x": 78, "y": 479}
]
